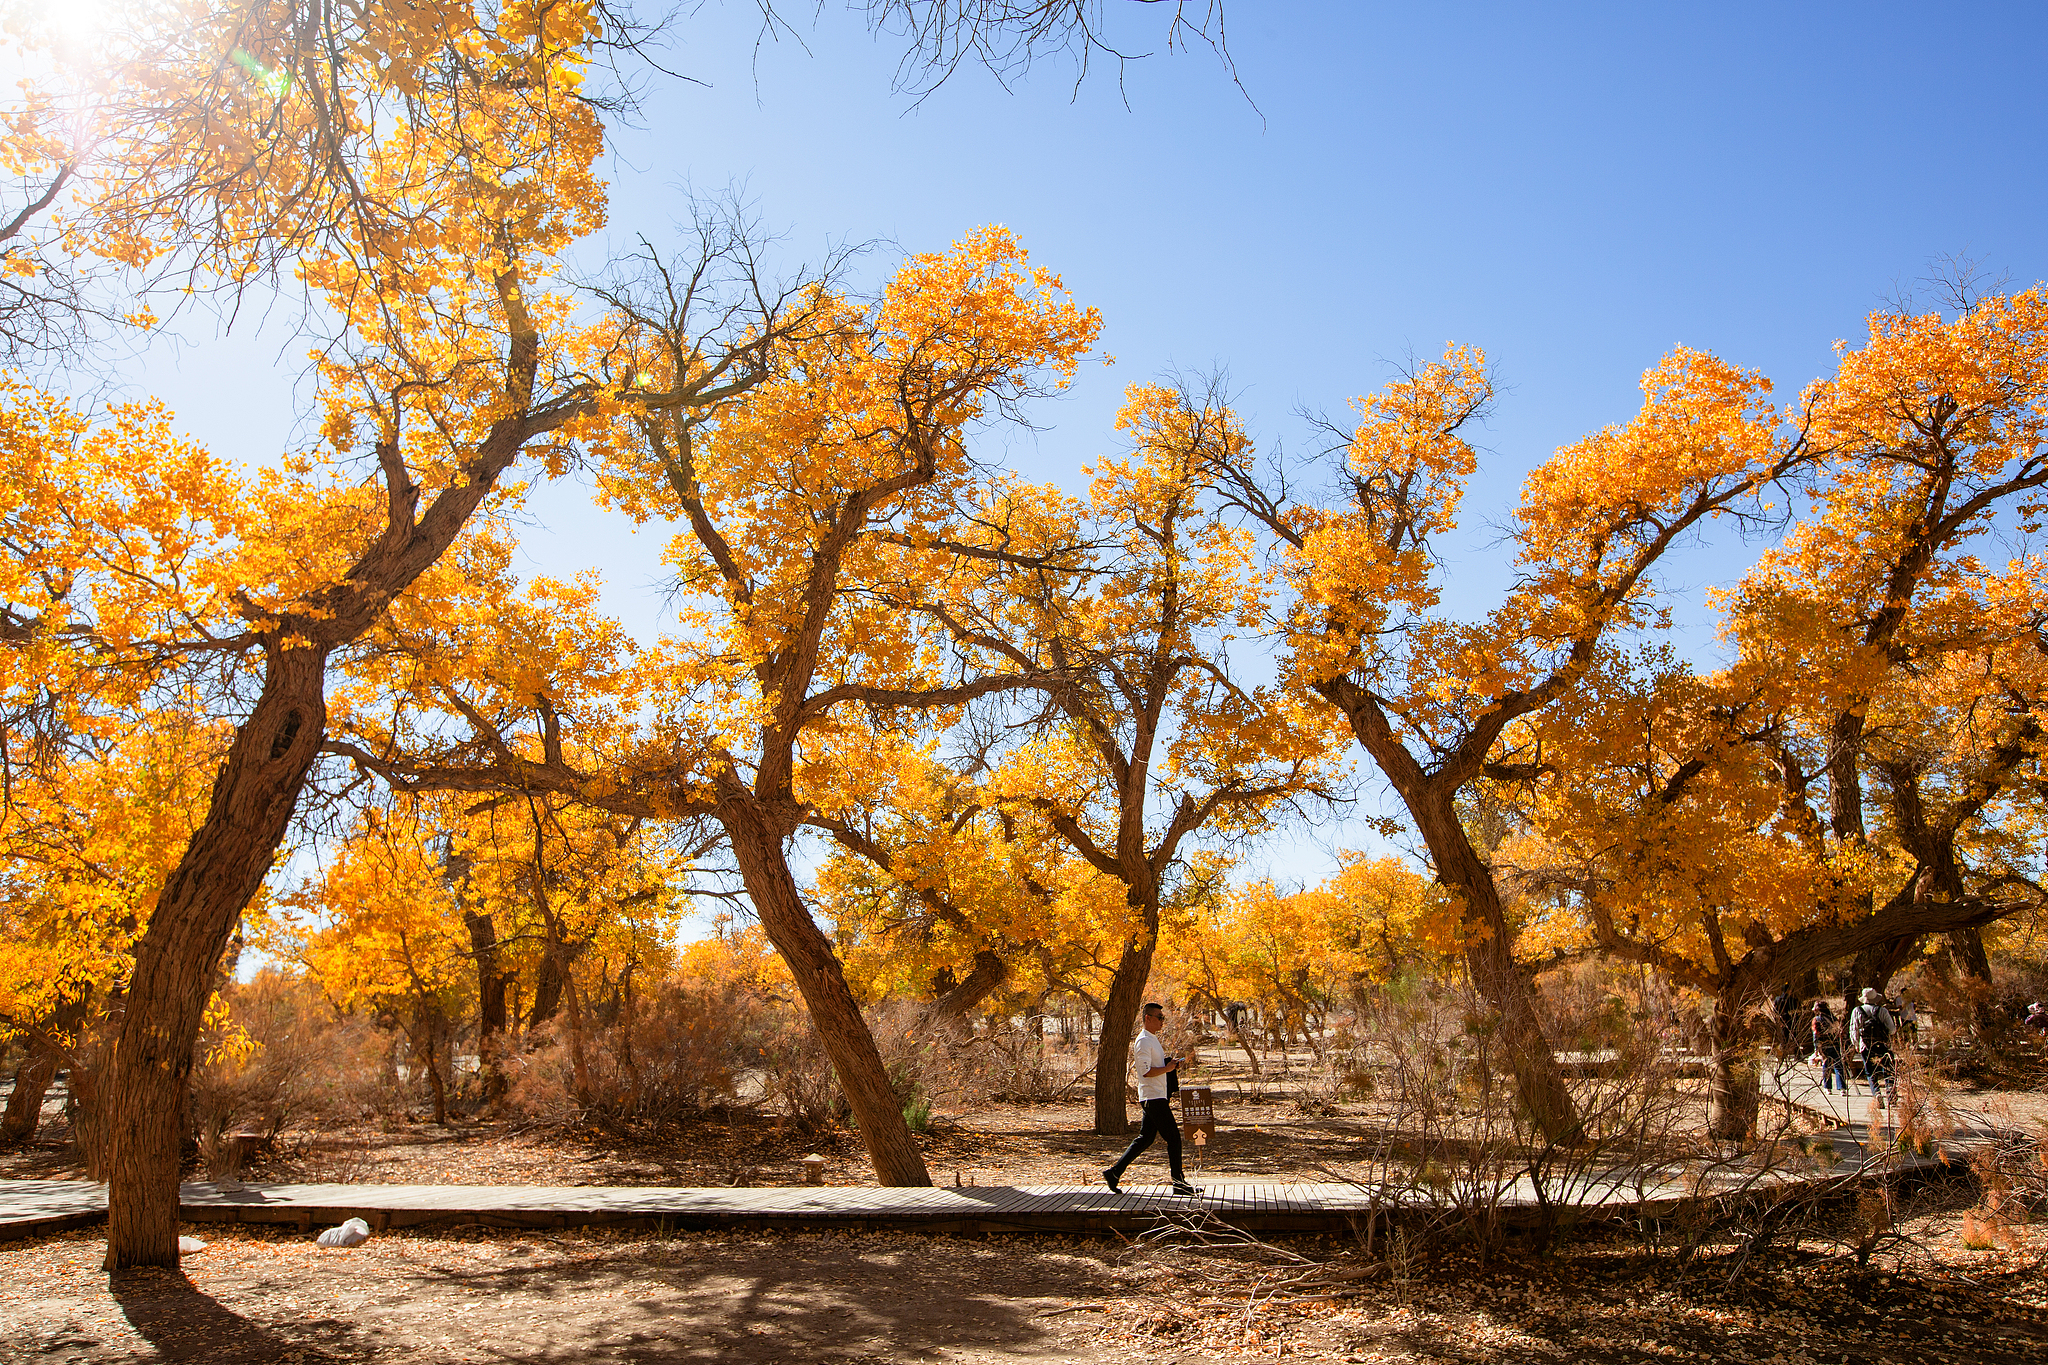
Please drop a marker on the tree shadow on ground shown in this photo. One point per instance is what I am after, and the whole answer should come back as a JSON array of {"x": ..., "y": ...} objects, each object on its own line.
[
  {"x": 828, "y": 1301},
  {"x": 184, "y": 1323},
  {"x": 1629, "y": 1311}
]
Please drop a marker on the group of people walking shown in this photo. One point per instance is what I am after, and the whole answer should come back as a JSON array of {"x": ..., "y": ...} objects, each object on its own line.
[{"x": 1867, "y": 1037}]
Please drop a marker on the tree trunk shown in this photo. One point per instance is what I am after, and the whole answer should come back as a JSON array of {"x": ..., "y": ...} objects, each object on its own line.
[
  {"x": 426, "y": 1051},
  {"x": 547, "y": 983},
  {"x": 627, "y": 1060},
  {"x": 1431, "y": 798},
  {"x": 1876, "y": 965},
  {"x": 1236, "y": 1030},
  {"x": 1490, "y": 958},
  {"x": 492, "y": 1020},
  {"x": 253, "y": 798},
  {"x": 758, "y": 849},
  {"x": 579, "y": 1063},
  {"x": 1119, "y": 1027},
  {"x": 1732, "y": 1083},
  {"x": 32, "y": 1078},
  {"x": 1966, "y": 968},
  {"x": 31, "y": 1082},
  {"x": 1966, "y": 951},
  {"x": 949, "y": 1011}
]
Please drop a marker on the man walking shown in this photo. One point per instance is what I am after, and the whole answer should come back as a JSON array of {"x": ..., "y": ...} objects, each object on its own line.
[
  {"x": 1153, "y": 1066},
  {"x": 1870, "y": 1032}
]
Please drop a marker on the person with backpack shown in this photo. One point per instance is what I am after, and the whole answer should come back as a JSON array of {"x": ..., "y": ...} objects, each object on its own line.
[
  {"x": 1827, "y": 1046},
  {"x": 1870, "y": 1033}
]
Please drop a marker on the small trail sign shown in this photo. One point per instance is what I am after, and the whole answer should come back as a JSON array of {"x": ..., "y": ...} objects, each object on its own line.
[{"x": 1197, "y": 1111}]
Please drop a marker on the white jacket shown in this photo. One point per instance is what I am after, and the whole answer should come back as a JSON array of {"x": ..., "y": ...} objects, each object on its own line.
[{"x": 1146, "y": 1054}]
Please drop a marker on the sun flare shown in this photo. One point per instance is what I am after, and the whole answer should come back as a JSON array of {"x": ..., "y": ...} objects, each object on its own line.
[{"x": 69, "y": 23}]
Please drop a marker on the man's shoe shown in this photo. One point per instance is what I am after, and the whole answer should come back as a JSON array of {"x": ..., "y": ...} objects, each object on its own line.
[
  {"x": 1109, "y": 1179},
  {"x": 1182, "y": 1187}
]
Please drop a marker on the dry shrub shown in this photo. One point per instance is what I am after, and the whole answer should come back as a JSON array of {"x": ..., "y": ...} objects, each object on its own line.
[
  {"x": 282, "y": 1056},
  {"x": 930, "y": 1067},
  {"x": 684, "y": 1049},
  {"x": 793, "y": 1073},
  {"x": 540, "y": 1079},
  {"x": 2011, "y": 1167},
  {"x": 1974, "y": 1031},
  {"x": 1002, "y": 1059},
  {"x": 1451, "y": 1141},
  {"x": 690, "y": 1044},
  {"x": 1591, "y": 1007},
  {"x": 1016, "y": 1062}
]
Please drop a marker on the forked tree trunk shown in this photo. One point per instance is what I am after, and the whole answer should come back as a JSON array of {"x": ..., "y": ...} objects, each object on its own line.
[
  {"x": 949, "y": 1011},
  {"x": 32, "y": 1078},
  {"x": 253, "y": 798},
  {"x": 1431, "y": 797},
  {"x": 1119, "y": 1027},
  {"x": 758, "y": 849}
]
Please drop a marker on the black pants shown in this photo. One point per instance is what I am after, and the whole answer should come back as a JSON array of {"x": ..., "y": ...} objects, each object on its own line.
[{"x": 1159, "y": 1122}]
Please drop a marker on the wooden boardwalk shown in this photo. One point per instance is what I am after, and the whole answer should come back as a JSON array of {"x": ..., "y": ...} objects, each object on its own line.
[
  {"x": 34, "y": 1207},
  {"x": 31, "y": 1208}
]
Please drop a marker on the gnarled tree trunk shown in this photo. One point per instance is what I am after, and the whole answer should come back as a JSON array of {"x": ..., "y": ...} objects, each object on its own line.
[
  {"x": 31, "y": 1082},
  {"x": 1119, "y": 1027},
  {"x": 757, "y": 848},
  {"x": 1431, "y": 798},
  {"x": 46, "y": 1043},
  {"x": 253, "y": 798},
  {"x": 1733, "y": 1086},
  {"x": 1876, "y": 965},
  {"x": 949, "y": 1011}
]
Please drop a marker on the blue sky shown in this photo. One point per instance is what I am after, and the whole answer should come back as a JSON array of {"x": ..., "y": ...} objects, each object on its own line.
[{"x": 1575, "y": 189}]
